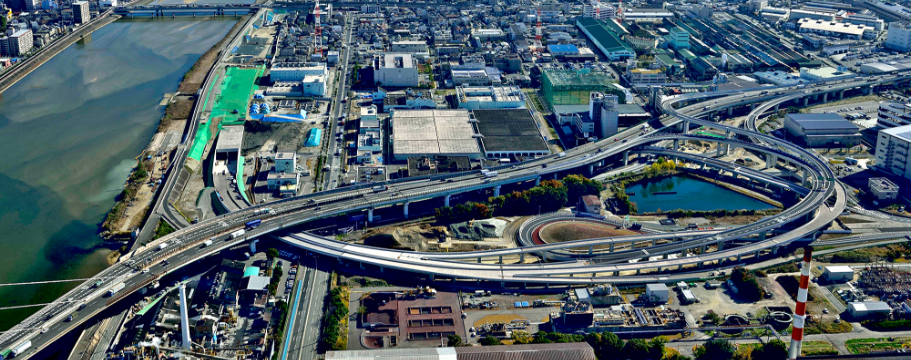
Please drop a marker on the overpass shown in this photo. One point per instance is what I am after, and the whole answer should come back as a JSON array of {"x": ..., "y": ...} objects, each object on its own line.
[{"x": 813, "y": 213}]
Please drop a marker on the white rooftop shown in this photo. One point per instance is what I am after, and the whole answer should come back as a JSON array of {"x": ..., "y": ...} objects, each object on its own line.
[{"x": 432, "y": 132}]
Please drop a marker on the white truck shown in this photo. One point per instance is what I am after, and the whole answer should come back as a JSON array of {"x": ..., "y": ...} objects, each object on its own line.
[
  {"x": 115, "y": 289},
  {"x": 238, "y": 233},
  {"x": 207, "y": 243},
  {"x": 490, "y": 174},
  {"x": 21, "y": 348},
  {"x": 162, "y": 246}
]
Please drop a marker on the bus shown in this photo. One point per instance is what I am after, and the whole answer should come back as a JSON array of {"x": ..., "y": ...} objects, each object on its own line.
[{"x": 253, "y": 224}]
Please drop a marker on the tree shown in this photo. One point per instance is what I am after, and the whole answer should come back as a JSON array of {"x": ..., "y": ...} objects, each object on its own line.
[
  {"x": 271, "y": 253},
  {"x": 636, "y": 349},
  {"x": 578, "y": 185},
  {"x": 489, "y": 341},
  {"x": 521, "y": 337},
  {"x": 3, "y": 23},
  {"x": 715, "y": 349},
  {"x": 775, "y": 349},
  {"x": 714, "y": 318},
  {"x": 453, "y": 340}
]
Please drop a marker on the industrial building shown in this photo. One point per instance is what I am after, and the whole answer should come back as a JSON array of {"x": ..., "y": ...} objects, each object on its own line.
[
  {"x": 838, "y": 273},
  {"x": 602, "y": 119},
  {"x": 826, "y": 73},
  {"x": 227, "y": 147},
  {"x": 553, "y": 351},
  {"x": 569, "y": 87},
  {"x": 408, "y": 47},
  {"x": 657, "y": 293},
  {"x": 605, "y": 39},
  {"x": 893, "y": 113},
  {"x": 799, "y": 14},
  {"x": 643, "y": 77},
  {"x": 892, "y": 151},
  {"x": 822, "y": 130},
  {"x": 81, "y": 14},
  {"x": 831, "y": 28},
  {"x": 432, "y": 133},
  {"x": 476, "y": 77},
  {"x": 562, "y": 50},
  {"x": 866, "y": 309},
  {"x": 395, "y": 69},
  {"x": 883, "y": 190},
  {"x": 296, "y": 71},
  {"x": 647, "y": 15},
  {"x": 885, "y": 67},
  {"x": 490, "y": 97},
  {"x": 899, "y": 36},
  {"x": 678, "y": 38},
  {"x": 509, "y": 133}
]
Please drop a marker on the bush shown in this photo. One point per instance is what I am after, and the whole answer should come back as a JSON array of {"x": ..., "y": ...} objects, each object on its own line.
[
  {"x": 715, "y": 349},
  {"x": 746, "y": 282},
  {"x": 888, "y": 325}
]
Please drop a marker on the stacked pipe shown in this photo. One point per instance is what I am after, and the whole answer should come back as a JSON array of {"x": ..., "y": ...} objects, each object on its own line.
[{"x": 800, "y": 311}]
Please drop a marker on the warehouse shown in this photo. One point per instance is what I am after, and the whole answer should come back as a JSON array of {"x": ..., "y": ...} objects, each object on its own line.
[
  {"x": 865, "y": 309},
  {"x": 507, "y": 133},
  {"x": 605, "y": 40},
  {"x": 838, "y": 273},
  {"x": 822, "y": 130},
  {"x": 432, "y": 133}
]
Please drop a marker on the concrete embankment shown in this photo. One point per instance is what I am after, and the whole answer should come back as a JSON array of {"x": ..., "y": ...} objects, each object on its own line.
[
  {"x": 738, "y": 189},
  {"x": 26, "y": 66}
]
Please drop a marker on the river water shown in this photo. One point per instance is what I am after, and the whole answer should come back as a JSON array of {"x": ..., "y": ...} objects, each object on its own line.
[
  {"x": 692, "y": 194},
  {"x": 69, "y": 133}
]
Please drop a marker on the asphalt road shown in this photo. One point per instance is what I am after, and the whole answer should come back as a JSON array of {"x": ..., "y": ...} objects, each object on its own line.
[
  {"x": 304, "y": 335},
  {"x": 331, "y": 180}
]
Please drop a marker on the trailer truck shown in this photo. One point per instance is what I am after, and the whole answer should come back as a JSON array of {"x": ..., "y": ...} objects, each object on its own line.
[
  {"x": 237, "y": 234},
  {"x": 21, "y": 348},
  {"x": 115, "y": 289},
  {"x": 207, "y": 243}
]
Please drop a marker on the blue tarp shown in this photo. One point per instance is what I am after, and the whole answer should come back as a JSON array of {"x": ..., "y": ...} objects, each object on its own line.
[
  {"x": 316, "y": 135},
  {"x": 518, "y": 304},
  {"x": 525, "y": 304}
]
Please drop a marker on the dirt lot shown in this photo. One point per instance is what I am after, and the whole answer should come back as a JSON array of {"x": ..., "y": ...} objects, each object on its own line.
[
  {"x": 425, "y": 237},
  {"x": 569, "y": 231}
]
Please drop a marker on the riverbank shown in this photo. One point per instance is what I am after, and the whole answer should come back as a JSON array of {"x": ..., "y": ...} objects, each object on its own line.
[
  {"x": 26, "y": 66},
  {"x": 738, "y": 189},
  {"x": 131, "y": 208}
]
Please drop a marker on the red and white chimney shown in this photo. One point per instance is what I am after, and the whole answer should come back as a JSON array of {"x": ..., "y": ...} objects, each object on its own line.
[{"x": 800, "y": 311}]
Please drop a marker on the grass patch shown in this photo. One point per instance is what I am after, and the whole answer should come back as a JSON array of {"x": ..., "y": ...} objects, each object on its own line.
[
  {"x": 866, "y": 346},
  {"x": 829, "y": 327},
  {"x": 783, "y": 268},
  {"x": 810, "y": 348},
  {"x": 163, "y": 229}
]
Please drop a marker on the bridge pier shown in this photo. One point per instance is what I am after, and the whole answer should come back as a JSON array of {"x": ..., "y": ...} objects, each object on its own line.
[
  {"x": 776, "y": 107},
  {"x": 720, "y": 245},
  {"x": 496, "y": 191},
  {"x": 501, "y": 259},
  {"x": 361, "y": 265},
  {"x": 591, "y": 169},
  {"x": 676, "y": 144},
  {"x": 406, "y": 209},
  {"x": 730, "y": 111},
  {"x": 761, "y": 238},
  {"x": 591, "y": 249},
  {"x": 686, "y": 126},
  {"x": 805, "y": 172},
  {"x": 756, "y": 254},
  {"x": 522, "y": 258},
  {"x": 370, "y": 212},
  {"x": 479, "y": 259},
  {"x": 841, "y": 94},
  {"x": 680, "y": 267},
  {"x": 806, "y": 101},
  {"x": 446, "y": 200},
  {"x": 637, "y": 271},
  {"x": 752, "y": 106},
  {"x": 702, "y": 250},
  {"x": 771, "y": 161},
  {"x": 825, "y": 97},
  {"x": 654, "y": 242},
  {"x": 537, "y": 181},
  {"x": 738, "y": 257},
  {"x": 626, "y": 158},
  {"x": 611, "y": 249},
  {"x": 775, "y": 250}
]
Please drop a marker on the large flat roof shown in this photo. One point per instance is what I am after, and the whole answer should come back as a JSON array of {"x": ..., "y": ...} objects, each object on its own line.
[
  {"x": 822, "y": 121},
  {"x": 903, "y": 132},
  {"x": 509, "y": 130},
  {"x": 230, "y": 138},
  {"x": 432, "y": 132},
  {"x": 602, "y": 35}
]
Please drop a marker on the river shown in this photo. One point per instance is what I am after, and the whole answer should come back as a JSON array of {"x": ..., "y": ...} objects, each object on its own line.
[
  {"x": 692, "y": 194},
  {"x": 69, "y": 133}
]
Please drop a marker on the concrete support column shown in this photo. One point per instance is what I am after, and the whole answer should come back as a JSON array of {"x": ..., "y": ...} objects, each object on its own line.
[
  {"x": 720, "y": 245},
  {"x": 676, "y": 144},
  {"x": 756, "y": 254},
  {"x": 701, "y": 264},
  {"x": 679, "y": 267},
  {"x": 446, "y": 200},
  {"x": 776, "y": 107},
  {"x": 370, "y": 212},
  {"x": 382, "y": 269},
  {"x": 702, "y": 250},
  {"x": 626, "y": 158},
  {"x": 703, "y": 166},
  {"x": 806, "y": 101},
  {"x": 361, "y": 265},
  {"x": 771, "y": 160},
  {"x": 501, "y": 259},
  {"x": 825, "y": 97},
  {"x": 774, "y": 250},
  {"x": 805, "y": 172},
  {"x": 718, "y": 149},
  {"x": 654, "y": 242},
  {"x": 637, "y": 271},
  {"x": 611, "y": 247},
  {"x": 591, "y": 249},
  {"x": 686, "y": 126},
  {"x": 762, "y": 236},
  {"x": 479, "y": 259},
  {"x": 752, "y": 106},
  {"x": 406, "y": 209},
  {"x": 537, "y": 181},
  {"x": 841, "y": 94},
  {"x": 591, "y": 169},
  {"x": 496, "y": 191},
  {"x": 738, "y": 257},
  {"x": 730, "y": 111},
  {"x": 522, "y": 257}
]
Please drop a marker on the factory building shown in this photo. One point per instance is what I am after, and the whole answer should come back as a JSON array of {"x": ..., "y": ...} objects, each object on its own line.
[
  {"x": 838, "y": 274},
  {"x": 395, "y": 70},
  {"x": 893, "y": 113},
  {"x": 867, "y": 20},
  {"x": 886, "y": 67},
  {"x": 490, "y": 97},
  {"x": 509, "y": 133},
  {"x": 227, "y": 148},
  {"x": 899, "y": 37},
  {"x": 657, "y": 293},
  {"x": 866, "y": 309},
  {"x": 605, "y": 39},
  {"x": 562, "y": 50},
  {"x": 883, "y": 190},
  {"x": 647, "y": 15},
  {"x": 296, "y": 71},
  {"x": 826, "y": 73},
  {"x": 798, "y": 14},
  {"x": 831, "y": 28},
  {"x": 568, "y": 87},
  {"x": 892, "y": 148},
  {"x": 433, "y": 133},
  {"x": 822, "y": 130}
]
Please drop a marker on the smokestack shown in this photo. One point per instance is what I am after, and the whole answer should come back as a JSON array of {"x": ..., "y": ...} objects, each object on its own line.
[
  {"x": 184, "y": 318},
  {"x": 800, "y": 311}
]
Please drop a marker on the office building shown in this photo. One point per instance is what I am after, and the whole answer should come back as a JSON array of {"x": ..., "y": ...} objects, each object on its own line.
[
  {"x": 822, "y": 130},
  {"x": 899, "y": 36},
  {"x": 285, "y": 161},
  {"x": 490, "y": 97},
  {"x": 646, "y": 77},
  {"x": 599, "y": 10},
  {"x": 892, "y": 151},
  {"x": 893, "y": 113},
  {"x": 678, "y": 38},
  {"x": 883, "y": 190},
  {"x": 81, "y": 14},
  {"x": 395, "y": 70}
]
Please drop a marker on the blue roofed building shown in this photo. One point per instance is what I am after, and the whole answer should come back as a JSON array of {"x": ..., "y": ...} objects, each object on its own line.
[
  {"x": 562, "y": 50},
  {"x": 822, "y": 130},
  {"x": 605, "y": 39}
]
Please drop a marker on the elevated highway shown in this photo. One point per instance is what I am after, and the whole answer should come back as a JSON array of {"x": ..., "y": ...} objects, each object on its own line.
[{"x": 824, "y": 200}]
